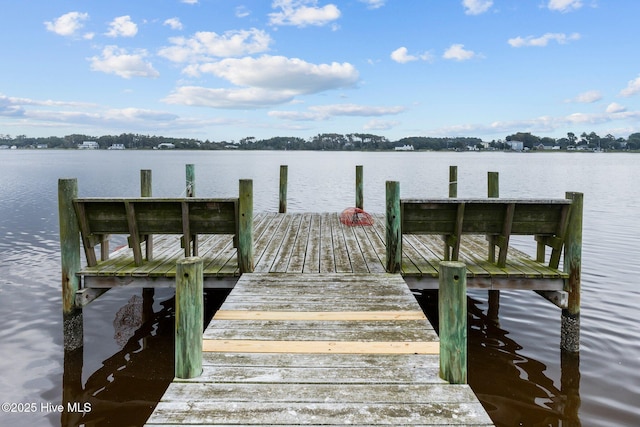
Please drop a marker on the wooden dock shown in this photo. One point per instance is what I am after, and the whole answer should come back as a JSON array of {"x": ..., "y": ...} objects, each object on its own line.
[
  {"x": 319, "y": 243},
  {"x": 319, "y": 349},
  {"x": 317, "y": 329}
]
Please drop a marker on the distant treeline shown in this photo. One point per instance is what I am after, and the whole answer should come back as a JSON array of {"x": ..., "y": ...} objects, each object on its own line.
[{"x": 329, "y": 142}]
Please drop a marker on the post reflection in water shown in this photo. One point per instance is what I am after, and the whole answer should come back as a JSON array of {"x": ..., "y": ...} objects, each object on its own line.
[
  {"x": 513, "y": 387},
  {"x": 126, "y": 389}
]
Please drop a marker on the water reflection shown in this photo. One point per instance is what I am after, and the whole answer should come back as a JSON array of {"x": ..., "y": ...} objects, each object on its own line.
[
  {"x": 514, "y": 388},
  {"x": 126, "y": 388}
]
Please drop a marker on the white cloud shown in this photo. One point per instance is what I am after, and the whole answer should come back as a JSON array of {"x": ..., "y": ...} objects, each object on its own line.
[
  {"x": 189, "y": 1},
  {"x": 614, "y": 107},
  {"x": 301, "y": 13},
  {"x": 380, "y": 125},
  {"x": 282, "y": 73},
  {"x": 118, "y": 61},
  {"x": 173, "y": 23},
  {"x": 633, "y": 88},
  {"x": 68, "y": 24},
  {"x": 325, "y": 112},
  {"x": 374, "y": 4},
  {"x": 560, "y": 38},
  {"x": 564, "y": 5},
  {"x": 457, "y": 52},
  {"x": 476, "y": 7},
  {"x": 244, "y": 98},
  {"x": 205, "y": 45},
  {"x": 587, "y": 97},
  {"x": 242, "y": 12},
  {"x": 122, "y": 26},
  {"x": 402, "y": 56}
]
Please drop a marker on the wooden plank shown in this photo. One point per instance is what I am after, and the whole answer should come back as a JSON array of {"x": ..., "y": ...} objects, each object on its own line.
[
  {"x": 283, "y": 257},
  {"x": 268, "y": 257},
  {"x": 332, "y": 413},
  {"x": 318, "y": 315},
  {"x": 312, "y": 252},
  {"x": 345, "y": 347},
  {"x": 358, "y": 262},
  {"x": 298, "y": 251},
  {"x": 327, "y": 260}
]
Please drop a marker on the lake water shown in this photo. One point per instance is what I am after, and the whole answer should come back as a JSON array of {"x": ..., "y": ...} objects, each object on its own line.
[{"x": 516, "y": 366}]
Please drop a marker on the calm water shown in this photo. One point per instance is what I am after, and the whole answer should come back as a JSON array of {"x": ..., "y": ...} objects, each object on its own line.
[{"x": 516, "y": 366}]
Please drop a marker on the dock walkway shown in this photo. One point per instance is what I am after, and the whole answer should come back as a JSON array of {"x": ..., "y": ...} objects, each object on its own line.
[{"x": 319, "y": 349}]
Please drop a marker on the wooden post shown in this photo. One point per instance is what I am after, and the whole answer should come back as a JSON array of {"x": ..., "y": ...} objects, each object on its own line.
[
  {"x": 70, "y": 262},
  {"x": 191, "y": 192},
  {"x": 493, "y": 191},
  {"x": 146, "y": 191},
  {"x": 284, "y": 172},
  {"x": 453, "y": 181},
  {"x": 493, "y": 184},
  {"x": 452, "y": 309},
  {"x": 189, "y": 317},
  {"x": 191, "y": 180},
  {"x": 359, "y": 187},
  {"x": 245, "y": 227},
  {"x": 570, "y": 333},
  {"x": 393, "y": 227}
]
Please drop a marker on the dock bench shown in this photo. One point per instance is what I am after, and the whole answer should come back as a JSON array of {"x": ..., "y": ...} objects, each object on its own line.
[{"x": 140, "y": 218}]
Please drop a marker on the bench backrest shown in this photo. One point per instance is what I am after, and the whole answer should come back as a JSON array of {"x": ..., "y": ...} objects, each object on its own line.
[
  {"x": 142, "y": 217},
  {"x": 547, "y": 220}
]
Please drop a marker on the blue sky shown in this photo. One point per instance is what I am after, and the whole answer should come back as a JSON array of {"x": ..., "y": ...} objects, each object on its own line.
[{"x": 224, "y": 70}]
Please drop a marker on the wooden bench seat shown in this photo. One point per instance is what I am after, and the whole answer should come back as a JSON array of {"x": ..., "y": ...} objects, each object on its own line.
[{"x": 140, "y": 218}]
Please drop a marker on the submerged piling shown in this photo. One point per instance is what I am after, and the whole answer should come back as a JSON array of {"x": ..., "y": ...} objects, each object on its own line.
[{"x": 570, "y": 331}]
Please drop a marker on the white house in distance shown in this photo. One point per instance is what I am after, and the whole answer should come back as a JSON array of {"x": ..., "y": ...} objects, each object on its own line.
[
  {"x": 405, "y": 148},
  {"x": 516, "y": 145},
  {"x": 88, "y": 145}
]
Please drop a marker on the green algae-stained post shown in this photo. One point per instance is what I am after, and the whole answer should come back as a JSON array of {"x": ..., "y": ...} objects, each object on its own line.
[
  {"x": 191, "y": 180},
  {"x": 245, "y": 226},
  {"x": 453, "y": 181},
  {"x": 452, "y": 309},
  {"x": 359, "y": 187},
  {"x": 570, "y": 332},
  {"x": 146, "y": 191},
  {"x": 189, "y": 323},
  {"x": 393, "y": 227},
  {"x": 70, "y": 263},
  {"x": 284, "y": 172},
  {"x": 493, "y": 184}
]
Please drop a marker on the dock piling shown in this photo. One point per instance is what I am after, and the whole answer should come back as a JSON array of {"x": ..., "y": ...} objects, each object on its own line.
[
  {"x": 453, "y": 181},
  {"x": 189, "y": 323},
  {"x": 359, "y": 187},
  {"x": 452, "y": 309},
  {"x": 284, "y": 173},
  {"x": 570, "y": 330},
  {"x": 146, "y": 191},
  {"x": 70, "y": 261},
  {"x": 245, "y": 226},
  {"x": 191, "y": 180},
  {"x": 393, "y": 228}
]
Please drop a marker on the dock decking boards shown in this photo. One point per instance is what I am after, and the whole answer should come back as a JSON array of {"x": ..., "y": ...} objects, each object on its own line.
[
  {"x": 318, "y": 243},
  {"x": 319, "y": 349}
]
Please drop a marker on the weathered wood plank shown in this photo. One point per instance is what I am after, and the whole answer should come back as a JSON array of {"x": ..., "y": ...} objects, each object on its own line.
[
  {"x": 346, "y": 347},
  {"x": 322, "y": 413},
  {"x": 327, "y": 260},
  {"x": 312, "y": 253},
  {"x": 318, "y": 315},
  {"x": 287, "y": 248}
]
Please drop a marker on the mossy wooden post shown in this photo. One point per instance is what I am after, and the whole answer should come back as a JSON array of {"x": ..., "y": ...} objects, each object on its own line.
[
  {"x": 191, "y": 180},
  {"x": 191, "y": 192},
  {"x": 189, "y": 322},
  {"x": 393, "y": 227},
  {"x": 570, "y": 333},
  {"x": 359, "y": 187},
  {"x": 452, "y": 309},
  {"x": 245, "y": 226},
  {"x": 453, "y": 181},
  {"x": 493, "y": 191},
  {"x": 284, "y": 173},
  {"x": 146, "y": 191},
  {"x": 70, "y": 263}
]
